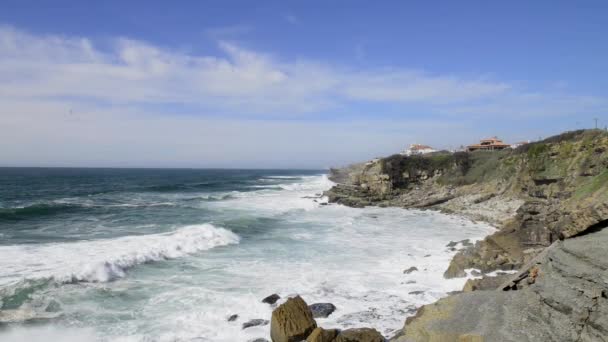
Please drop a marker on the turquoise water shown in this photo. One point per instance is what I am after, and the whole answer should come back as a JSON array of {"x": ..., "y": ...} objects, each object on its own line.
[{"x": 168, "y": 255}]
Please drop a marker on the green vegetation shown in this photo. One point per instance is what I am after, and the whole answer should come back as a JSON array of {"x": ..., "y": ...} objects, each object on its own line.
[
  {"x": 571, "y": 157},
  {"x": 597, "y": 183},
  {"x": 404, "y": 169}
]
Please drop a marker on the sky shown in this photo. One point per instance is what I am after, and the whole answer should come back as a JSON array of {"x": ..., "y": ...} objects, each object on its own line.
[{"x": 290, "y": 84}]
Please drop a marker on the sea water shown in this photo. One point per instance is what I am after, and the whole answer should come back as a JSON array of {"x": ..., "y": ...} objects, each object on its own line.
[{"x": 169, "y": 255}]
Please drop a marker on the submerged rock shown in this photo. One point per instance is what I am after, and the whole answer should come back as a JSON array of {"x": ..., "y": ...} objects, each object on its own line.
[
  {"x": 410, "y": 270},
  {"x": 273, "y": 298},
  {"x": 322, "y": 310},
  {"x": 360, "y": 335},
  {"x": 255, "y": 323},
  {"x": 322, "y": 335},
  {"x": 292, "y": 321}
]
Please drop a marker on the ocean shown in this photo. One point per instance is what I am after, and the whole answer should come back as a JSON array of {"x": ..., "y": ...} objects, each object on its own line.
[{"x": 170, "y": 254}]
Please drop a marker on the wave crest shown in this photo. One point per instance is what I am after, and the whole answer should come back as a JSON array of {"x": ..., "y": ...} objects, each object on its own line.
[{"x": 107, "y": 260}]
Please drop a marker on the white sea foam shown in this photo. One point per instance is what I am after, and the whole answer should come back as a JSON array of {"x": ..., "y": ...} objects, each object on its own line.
[
  {"x": 106, "y": 260},
  {"x": 353, "y": 258}
]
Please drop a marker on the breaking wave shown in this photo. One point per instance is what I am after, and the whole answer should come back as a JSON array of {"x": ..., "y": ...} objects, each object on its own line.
[{"x": 107, "y": 260}]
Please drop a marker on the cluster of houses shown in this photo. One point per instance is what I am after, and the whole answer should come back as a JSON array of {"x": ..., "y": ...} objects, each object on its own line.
[{"x": 490, "y": 144}]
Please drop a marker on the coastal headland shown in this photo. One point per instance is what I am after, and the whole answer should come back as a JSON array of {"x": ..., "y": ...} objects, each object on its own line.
[{"x": 549, "y": 201}]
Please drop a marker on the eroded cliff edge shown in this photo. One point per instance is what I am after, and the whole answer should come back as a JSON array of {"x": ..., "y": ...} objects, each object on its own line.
[{"x": 537, "y": 195}]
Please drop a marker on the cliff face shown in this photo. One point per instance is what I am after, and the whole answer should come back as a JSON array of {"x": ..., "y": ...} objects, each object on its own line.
[{"x": 536, "y": 195}]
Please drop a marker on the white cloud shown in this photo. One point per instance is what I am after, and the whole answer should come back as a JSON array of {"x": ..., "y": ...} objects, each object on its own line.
[
  {"x": 240, "y": 81},
  {"x": 125, "y": 99}
]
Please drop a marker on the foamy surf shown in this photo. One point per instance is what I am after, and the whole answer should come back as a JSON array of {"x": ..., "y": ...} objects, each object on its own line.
[
  {"x": 106, "y": 260},
  {"x": 290, "y": 243}
]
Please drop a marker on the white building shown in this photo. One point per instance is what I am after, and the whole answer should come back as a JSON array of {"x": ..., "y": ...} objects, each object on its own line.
[
  {"x": 416, "y": 149},
  {"x": 521, "y": 143}
]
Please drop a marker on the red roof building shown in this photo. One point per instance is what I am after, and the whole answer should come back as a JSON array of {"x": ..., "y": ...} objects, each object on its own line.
[{"x": 490, "y": 144}]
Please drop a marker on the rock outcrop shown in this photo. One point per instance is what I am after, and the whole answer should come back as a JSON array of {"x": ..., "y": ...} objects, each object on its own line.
[
  {"x": 292, "y": 321},
  {"x": 562, "y": 296},
  {"x": 549, "y": 199}
]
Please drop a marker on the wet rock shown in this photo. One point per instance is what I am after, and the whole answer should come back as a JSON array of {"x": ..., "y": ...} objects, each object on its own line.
[
  {"x": 255, "y": 323},
  {"x": 322, "y": 310},
  {"x": 410, "y": 270},
  {"x": 416, "y": 293},
  {"x": 273, "y": 298},
  {"x": 476, "y": 273},
  {"x": 259, "y": 340},
  {"x": 233, "y": 318},
  {"x": 360, "y": 335},
  {"x": 485, "y": 283},
  {"x": 466, "y": 243},
  {"x": 322, "y": 335},
  {"x": 292, "y": 321}
]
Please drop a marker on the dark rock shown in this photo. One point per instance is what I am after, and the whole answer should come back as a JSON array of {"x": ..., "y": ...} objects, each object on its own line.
[
  {"x": 416, "y": 293},
  {"x": 411, "y": 282},
  {"x": 428, "y": 255},
  {"x": 410, "y": 270},
  {"x": 360, "y": 335},
  {"x": 292, "y": 321},
  {"x": 233, "y": 318},
  {"x": 271, "y": 299},
  {"x": 254, "y": 323},
  {"x": 476, "y": 273},
  {"x": 322, "y": 335},
  {"x": 322, "y": 310},
  {"x": 259, "y": 340}
]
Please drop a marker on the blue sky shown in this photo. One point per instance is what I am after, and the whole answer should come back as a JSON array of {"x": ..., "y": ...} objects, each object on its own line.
[{"x": 290, "y": 84}]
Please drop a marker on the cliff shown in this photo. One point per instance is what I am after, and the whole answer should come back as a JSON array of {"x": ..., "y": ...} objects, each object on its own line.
[{"x": 537, "y": 195}]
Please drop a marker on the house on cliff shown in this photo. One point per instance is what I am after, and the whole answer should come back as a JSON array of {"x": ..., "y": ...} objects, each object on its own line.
[
  {"x": 490, "y": 144},
  {"x": 416, "y": 149}
]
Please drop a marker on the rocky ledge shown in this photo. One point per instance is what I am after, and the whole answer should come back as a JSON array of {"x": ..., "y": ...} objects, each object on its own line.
[{"x": 549, "y": 200}]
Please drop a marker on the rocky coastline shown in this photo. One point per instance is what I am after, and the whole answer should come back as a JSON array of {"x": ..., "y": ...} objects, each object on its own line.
[{"x": 548, "y": 199}]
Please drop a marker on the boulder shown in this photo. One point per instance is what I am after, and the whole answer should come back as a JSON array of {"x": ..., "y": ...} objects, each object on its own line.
[
  {"x": 271, "y": 299},
  {"x": 322, "y": 335},
  {"x": 360, "y": 335},
  {"x": 254, "y": 323},
  {"x": 322, "y": 310},
  {"x": 292, "y": 321}
]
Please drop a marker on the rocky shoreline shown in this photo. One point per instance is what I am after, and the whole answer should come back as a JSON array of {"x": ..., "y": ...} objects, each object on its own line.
[
  {"x": 544, "y": 273},
  {"x": 549, "y": 200}
]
